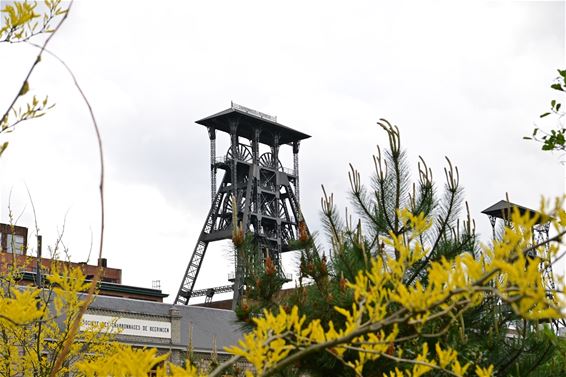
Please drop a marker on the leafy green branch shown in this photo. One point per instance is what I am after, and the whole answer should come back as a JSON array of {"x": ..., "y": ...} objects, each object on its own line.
[
  {"x": 20, "y": 25},
  {"x": 555, "y": 139}
]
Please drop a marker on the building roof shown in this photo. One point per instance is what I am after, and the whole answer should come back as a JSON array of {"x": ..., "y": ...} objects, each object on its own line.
[
  {"x": 248, "y": 120},
  {"x": 209, "y": 323},
  {"x": 503, "y": 210},
  {"x": 110, "y": 287},
  {"x": 205, "y": 324}
]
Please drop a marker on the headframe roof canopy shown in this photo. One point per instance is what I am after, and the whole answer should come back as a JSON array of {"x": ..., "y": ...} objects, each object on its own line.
[
  {"x": 504, "y": 209},
  {"x": 248, "y": 120}
]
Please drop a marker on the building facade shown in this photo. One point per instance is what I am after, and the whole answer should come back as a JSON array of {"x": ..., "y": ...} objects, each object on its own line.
[
  {"x": 137, "y": 315},
  {"x": 14, "y": 255},
  {"x": 194, "y": 332}
]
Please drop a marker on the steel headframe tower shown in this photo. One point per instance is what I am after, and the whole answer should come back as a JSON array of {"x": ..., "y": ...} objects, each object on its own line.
[
  {"x": 503, "y": 210},
  {"x": 266, "y": 194}
]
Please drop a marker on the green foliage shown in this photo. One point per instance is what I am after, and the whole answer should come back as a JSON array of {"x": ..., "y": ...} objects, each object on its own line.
[
  {"x": 261, "y": 277},
  {"x": 479, "y": 333},
  {"x": 355, "y": 244},
  {"x": 555, "y": 139},
  {"x": 392, "y": 327},
  {"x": 555, "y": 364}
]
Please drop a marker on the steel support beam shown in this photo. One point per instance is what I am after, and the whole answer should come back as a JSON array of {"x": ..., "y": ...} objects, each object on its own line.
[{"x": 212, "y": 137}]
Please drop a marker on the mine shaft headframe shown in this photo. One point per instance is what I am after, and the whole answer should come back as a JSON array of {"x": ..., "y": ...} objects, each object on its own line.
[
  {"x": 503, "y": 210},
  {"x": 255, "y": 187}
]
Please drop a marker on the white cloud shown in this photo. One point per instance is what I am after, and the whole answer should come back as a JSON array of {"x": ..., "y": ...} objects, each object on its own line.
[{"x": 465, "y": 80}]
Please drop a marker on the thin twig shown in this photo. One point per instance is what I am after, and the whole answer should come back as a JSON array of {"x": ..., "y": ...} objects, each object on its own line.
[
  {"x": 403, "y": 360},
  {"x": 98, "y": 138},
  {"x": 224, "y": 365},
  {"x": 90, "y": 294},
  {"x": 33, "y": 209}
]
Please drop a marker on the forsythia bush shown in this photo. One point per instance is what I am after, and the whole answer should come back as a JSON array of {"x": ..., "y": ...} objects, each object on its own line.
[
  {"x": 382, "y": 302},
  {"x": 34, "y": 322},
  {"x": 38, "y": 327}
]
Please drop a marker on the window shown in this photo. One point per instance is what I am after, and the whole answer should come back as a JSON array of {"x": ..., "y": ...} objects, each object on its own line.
[{"x": 15, "y": 244}]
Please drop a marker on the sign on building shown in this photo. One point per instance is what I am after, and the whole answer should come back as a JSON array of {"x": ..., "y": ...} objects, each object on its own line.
[{"x": 128, "y": 326}]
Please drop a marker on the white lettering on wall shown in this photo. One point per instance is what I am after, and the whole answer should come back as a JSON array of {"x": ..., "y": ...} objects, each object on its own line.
[{"x": 128, "y": 326}]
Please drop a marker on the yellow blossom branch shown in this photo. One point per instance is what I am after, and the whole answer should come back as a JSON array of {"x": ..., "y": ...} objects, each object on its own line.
[{"x": 402, "y": 360}]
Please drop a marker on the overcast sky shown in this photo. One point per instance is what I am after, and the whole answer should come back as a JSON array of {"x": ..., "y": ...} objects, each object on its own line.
[{"x": 465, "y": 80}]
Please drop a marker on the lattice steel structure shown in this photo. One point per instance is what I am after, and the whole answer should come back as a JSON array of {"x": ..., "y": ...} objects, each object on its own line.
[
  {"x": 503, "y": 210},
  {"x": 265, "y": 193}
]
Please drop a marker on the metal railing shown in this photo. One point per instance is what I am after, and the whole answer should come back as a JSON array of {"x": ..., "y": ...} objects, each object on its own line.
[
  {"x": 225, "y": 159},
  {"x": 220, "y": 159},
  {"x": 289, "y": 171},
  {"x": 286, "y": 276},
  {"x": 209, "y": 292}
]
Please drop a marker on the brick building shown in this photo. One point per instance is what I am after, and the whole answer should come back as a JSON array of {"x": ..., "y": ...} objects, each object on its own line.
[
  {"x": 144, "y": 320},
  {"x": 14, "y": 254}
]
